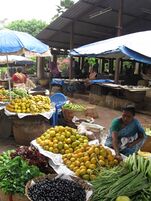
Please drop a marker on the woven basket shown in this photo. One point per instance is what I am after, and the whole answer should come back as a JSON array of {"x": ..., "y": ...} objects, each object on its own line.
[
  {"x": 28, "y": 128},
  {"x": 92, "y": 112},
  {"x": 81, "y": 182},
  {"x": 9, "y": 197},
  {"x": 69, "y": 114}
]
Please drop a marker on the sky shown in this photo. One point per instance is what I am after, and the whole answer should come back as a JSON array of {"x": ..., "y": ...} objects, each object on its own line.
[{"x": 28, "y": 9}]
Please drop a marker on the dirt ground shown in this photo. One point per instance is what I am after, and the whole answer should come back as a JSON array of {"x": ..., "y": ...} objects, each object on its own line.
[{"x": 105, "y": 116}]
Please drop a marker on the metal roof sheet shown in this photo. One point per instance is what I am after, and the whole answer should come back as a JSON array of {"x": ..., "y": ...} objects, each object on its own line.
[{"x": 96, "y": 20}]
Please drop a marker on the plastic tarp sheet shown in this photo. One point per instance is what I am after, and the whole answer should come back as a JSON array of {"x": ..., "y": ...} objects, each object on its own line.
[
  {"x": 57, "y": 82},
  {"x": 15, "y": 59},
  {"x": 136, "y": 46},
  {"x": 101, "y": 81}
]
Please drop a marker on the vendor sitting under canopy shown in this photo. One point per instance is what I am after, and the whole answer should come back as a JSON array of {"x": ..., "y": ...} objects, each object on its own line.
[
  {"x": 19, "y": 77},
  {"x": 92, "y": 76},
  {"x": 21, "y": 80},
  {"x": 126, "y": 134}
]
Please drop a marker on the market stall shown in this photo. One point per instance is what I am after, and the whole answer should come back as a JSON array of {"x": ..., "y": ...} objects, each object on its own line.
[
  {"x": 68, "y": 86},
  {"x": 30, "y": 116},
  {"x": 116, "y": 95},
  {"x": 133, "y": 47},
  {"x": 62, "y": 156},
  {"x": 135, "y": 93},
  {"x": 5, "y": 121},
  {"x": 71, "y": 86}
]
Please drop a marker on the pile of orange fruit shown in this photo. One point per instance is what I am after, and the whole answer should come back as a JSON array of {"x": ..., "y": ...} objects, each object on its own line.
[
  {"x": 30, "y": 104},
  {"x": 63, "y": 140},
  {"x": 86, "y": 160}
]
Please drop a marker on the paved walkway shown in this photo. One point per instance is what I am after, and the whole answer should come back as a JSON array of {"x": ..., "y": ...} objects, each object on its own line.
[{"x": 105, "y": 117}]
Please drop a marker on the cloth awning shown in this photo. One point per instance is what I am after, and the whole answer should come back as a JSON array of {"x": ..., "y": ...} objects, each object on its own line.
[
  {"x": 136, "y": 46},
  {"x": 15, "y": 59}
]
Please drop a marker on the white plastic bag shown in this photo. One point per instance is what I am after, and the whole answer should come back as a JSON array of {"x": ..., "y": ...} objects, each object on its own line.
[{"x": 93, "y": 131}]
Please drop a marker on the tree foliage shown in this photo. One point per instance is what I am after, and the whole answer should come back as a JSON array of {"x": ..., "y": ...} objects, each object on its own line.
[
  {"x": 32, "y": 27},
  {"x": 64, "y": 5}
]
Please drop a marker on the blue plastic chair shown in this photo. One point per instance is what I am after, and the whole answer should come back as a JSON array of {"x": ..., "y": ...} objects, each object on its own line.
[{"x": 59, "y": 99}]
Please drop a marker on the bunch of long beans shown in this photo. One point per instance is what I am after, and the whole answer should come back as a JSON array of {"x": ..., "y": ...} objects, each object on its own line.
[{"x": 117, "y": 181}]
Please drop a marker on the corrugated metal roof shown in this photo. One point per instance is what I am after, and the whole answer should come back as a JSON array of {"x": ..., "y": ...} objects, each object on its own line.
[{"x": 96, "y": 20}]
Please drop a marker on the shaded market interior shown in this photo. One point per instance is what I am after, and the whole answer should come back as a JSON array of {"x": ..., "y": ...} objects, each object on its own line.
[
  {"x": 50, "y": 125},
  {"x": 90, "y": 21}
]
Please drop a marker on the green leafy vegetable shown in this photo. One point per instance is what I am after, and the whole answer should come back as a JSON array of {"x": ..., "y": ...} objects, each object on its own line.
[{"x": 15, "y": 173}]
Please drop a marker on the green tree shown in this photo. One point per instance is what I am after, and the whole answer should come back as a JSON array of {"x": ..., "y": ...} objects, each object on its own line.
[
  {"x": 64, "y": 5},
  {"x": 32, "y": 27}
]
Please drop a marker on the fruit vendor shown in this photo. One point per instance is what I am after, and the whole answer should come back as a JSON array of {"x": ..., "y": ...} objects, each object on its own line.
[
  {"x": 19, "y": 77},
  {"x": 126, "y": 134}
]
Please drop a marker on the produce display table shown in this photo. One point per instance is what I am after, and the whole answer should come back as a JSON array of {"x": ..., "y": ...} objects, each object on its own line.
[
  {"x": 135, "y": 94},
  {"x": 40, "y": 92},
  {"x": 105, "y": 88},
  {"x": 68, "y": 85},
  {"x": 58, "y": 81},
  {"x": 74, "y": 85},
  {"x": 47, "y": 115},
  {"x": 56, "y": 161}
]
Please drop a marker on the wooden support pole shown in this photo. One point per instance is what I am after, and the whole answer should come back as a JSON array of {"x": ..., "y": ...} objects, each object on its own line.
[
  {"x": 103, "y": 65},
  {"x": 119, "y": 33},
  {"x": 71, "y": 47},
  {"x": 111, "y": 65},
  {"x": 40, "y": 67}
]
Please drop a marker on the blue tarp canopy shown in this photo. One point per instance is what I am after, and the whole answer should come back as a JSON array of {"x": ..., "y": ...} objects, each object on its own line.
[{"x": 136, "y": 46}]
